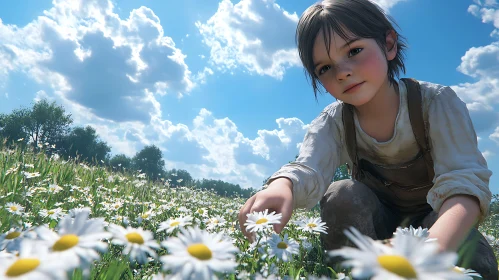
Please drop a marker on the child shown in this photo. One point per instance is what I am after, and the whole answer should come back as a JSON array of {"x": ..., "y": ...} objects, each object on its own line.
[{"x": 411, "y": 145}]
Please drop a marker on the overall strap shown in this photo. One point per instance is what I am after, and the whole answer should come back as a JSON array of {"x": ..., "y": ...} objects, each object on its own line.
[
  {"x": 414, "y": 103},
  {"x": 350, "y": 138}
]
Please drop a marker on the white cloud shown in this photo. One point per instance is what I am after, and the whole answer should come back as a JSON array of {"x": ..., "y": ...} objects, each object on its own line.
[
  {"x": 387, "y": 4},
  {"x": 93, "y": 58},
  {"x": 488, "y": 11},
  {"x": 488, "y": 154},
  {"x": 495, "y": 135},
  {"x": 210, "y": 147},
  {"x": 257, "y": 34},
  {"x": 41, "y": 94},
  {"x": 482, "y": 63}
]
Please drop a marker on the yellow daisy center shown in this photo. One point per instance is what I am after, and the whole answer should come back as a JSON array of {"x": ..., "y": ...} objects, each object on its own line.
[
  {"x": 200, "y": 211},
  {"x": 144, "y": 216},
  {"x": 282, "y": 245},
  {"x": 66, "y": 242},
  {"x": 13, "y": 208},
  {"x": 456, "y": 269},
  {"x": 135, "y": 238},
  {"x": 200, "y": 251},
  {"x": 261, "y": 221},
  {"x": 13, "y": 235},
  {"x": 311, "y": 225},
  {"x": 174, "y": 224},
  {"x": 21, "y": 267},
  {"x": 51, "y": 212},
  {"x": 398, "y": 265}
]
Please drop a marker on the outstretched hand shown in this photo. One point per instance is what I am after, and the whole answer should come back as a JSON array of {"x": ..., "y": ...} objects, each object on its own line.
[{"x": 277, "y": 197}]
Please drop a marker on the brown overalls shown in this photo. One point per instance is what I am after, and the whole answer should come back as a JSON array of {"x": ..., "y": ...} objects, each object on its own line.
[{"x": 380, "y": 198}]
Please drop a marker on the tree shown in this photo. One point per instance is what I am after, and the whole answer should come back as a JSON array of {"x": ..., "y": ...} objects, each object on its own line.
[
  {"x": 43, "y": 123},
  {"x": 150, "y": 161},
  {"x": 12, "y": 125},
  {"x": 223, "y": 188},
  {"x": 46, "y": 123},
  {"x": 179, "y": 177},
  {"x": 85, "y": 143},
  {"x": 343, "y": 172},
  {"x": 121, "y": 162}
]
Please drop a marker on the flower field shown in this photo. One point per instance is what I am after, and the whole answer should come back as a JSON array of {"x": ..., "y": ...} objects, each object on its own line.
[{"x": 63, "y": 220}]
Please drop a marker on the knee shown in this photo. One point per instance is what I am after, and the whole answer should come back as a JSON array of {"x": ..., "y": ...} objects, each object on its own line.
[
  {"x": 481, "y": 258},
  {"x": 348, "y": 194}
]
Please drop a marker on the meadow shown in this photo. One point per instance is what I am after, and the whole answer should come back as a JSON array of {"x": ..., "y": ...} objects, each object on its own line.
[{"x": 69, "y": 220}]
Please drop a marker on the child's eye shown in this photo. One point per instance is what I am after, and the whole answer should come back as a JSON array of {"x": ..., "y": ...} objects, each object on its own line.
[
  {"x": 354, "y": 51},
  {"x": 323, "y": 70}
]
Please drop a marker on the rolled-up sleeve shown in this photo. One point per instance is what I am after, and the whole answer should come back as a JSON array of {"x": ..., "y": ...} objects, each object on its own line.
[
  {"x": 317, "y": 161},
  {"x": 460, "y": 167}
]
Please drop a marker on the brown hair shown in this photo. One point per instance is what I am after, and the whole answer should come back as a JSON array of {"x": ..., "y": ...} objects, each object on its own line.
[{"x": 360, "y": 18}]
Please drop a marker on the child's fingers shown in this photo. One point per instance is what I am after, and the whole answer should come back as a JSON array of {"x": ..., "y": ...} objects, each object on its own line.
[
  {"x": 242, "y": 216},
  {"x": 286, "y": 210}
]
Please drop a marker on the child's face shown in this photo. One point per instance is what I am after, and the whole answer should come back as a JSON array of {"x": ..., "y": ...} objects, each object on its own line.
[{"x": 361, "y": 63}]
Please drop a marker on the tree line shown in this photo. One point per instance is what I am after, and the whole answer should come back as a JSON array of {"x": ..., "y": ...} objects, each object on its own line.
[{"x": 47, "y": 127}]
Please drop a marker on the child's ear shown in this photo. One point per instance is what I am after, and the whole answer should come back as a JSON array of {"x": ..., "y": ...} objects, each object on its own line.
[{"x": 391, "y": 45}]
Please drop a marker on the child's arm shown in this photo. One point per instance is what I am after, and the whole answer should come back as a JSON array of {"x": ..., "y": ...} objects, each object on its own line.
[
  {"x": 456, "y": 217},
  {"x": 460, "y": 168},
  {"x": 461, "y": 194}
]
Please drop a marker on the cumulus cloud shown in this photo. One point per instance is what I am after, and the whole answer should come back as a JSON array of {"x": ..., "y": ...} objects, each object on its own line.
[
  {"x": 387, "y": 4},
  {"x": 116, "y": 68},
  {"x": 488, "y": 154},
  {"x": 482, "y": 63},
  {"x": 495, "y": 136},
  {"x": 257, "y": 34}
]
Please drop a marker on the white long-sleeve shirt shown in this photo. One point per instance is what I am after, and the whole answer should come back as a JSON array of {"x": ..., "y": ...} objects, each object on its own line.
[{"x": 460, "y": 167}]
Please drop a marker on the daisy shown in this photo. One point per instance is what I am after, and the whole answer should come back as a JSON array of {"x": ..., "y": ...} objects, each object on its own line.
[
  {"x": 121, "y": 219},
  {"x": 29, "y": 175},
  {"x": 490, "y": 239},
  {"x": 470, "y": 272},
  {"x": 411, "y": 257},
  {"x": 258, "y": 221},
  {"x": 313, "y": 225},
  {"x": 197, "y": 254},
  {"x": 215, "y": 222},
  {"x": 172, "y": 224},
  {"x": 14, "y": 208},
  {"x": 32, "y": 262},
  {"x": 231, "y": 212},
  {"x": 419, "y": 232},
  {"x": 145, "y": 216},
  {"x": 138, "y": 242},
  {"x": 53, "y": 214},
  {"x": 202, "y": 211},
  {"x": 11, "y": 240},
  {"x": 76, "y": 211},
  {"x": 342, "y": 276},
  {"x": 77, "y": 241},
  {"x": 53, "y": 188},
  {"x": 284, "y": 248}
]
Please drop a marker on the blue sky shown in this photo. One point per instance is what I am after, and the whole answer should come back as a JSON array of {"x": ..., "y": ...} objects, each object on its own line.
[{"x": 217, "y": 85}]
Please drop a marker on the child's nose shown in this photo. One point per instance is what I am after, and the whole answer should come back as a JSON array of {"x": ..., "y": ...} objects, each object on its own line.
[{"x": 343, "y": 71}]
